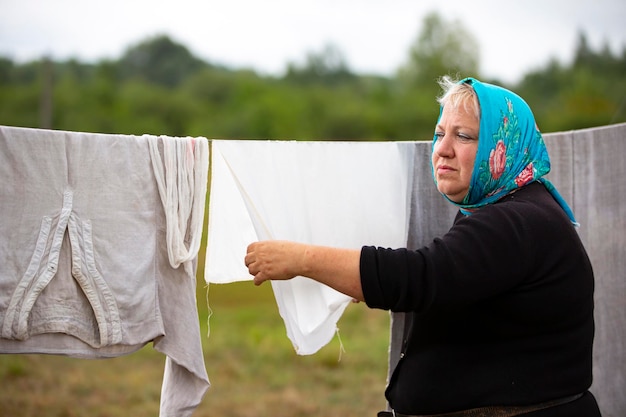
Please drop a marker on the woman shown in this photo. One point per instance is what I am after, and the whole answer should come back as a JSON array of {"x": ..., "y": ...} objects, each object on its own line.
[{"x": 501, "y": 305}]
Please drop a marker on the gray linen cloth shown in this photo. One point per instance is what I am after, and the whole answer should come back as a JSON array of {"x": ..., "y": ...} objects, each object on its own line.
[
  {"x": 85, "y": 269},
  {"x": 589, "y": 168}
]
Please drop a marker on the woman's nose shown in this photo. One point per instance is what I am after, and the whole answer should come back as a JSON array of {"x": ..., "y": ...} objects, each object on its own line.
[{"x": 444, "y": 147}]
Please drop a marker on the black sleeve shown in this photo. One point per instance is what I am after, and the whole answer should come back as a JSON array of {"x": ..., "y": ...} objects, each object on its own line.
[{"x": 482, "y": 255}]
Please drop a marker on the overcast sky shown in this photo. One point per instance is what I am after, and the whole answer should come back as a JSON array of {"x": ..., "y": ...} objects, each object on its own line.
[{"x": 373, "y": 35}]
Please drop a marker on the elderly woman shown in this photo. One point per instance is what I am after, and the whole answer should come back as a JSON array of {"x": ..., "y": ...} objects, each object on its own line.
[{"x": 501, "y": 306}]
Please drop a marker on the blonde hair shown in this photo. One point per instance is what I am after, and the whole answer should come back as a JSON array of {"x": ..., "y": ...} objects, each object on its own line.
[{"x": 458, "y": 94}]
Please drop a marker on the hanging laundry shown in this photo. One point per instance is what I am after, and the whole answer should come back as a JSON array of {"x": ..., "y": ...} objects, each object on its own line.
[
  {"x": 588, "y": 166},
  {"x": 342, "y": 194},
  {"x": 99, "y": 237}
]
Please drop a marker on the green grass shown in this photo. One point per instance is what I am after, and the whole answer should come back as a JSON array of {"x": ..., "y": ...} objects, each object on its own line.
[{"x": 251, "y": 363}]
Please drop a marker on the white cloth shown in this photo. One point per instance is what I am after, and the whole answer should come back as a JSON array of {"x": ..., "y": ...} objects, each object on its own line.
[
  {"x": 84, "y": 239},
  {"x": 181, "y": 176},
  {"x": 326, "y": 193}
]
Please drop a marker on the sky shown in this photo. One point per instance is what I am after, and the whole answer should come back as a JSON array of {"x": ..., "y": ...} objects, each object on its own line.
[{"x": 374, "y": 36}]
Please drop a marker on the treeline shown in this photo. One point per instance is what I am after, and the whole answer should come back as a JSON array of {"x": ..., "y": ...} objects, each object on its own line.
[{"x": 159, "y": 87}]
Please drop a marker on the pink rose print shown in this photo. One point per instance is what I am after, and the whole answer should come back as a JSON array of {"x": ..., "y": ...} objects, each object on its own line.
[
  {"x": 497, "y": 160},
  {"x": 525, "y": 176}
]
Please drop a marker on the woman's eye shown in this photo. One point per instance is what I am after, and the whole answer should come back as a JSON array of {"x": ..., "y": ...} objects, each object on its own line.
[{"x": 439, "y": 135}]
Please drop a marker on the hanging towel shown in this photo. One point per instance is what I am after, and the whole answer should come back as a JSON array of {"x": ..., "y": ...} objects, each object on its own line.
[
  {"x": 98, "y": 242},
  {"x": 589, "y": 169},
  {"x": 342, "y": 194}
]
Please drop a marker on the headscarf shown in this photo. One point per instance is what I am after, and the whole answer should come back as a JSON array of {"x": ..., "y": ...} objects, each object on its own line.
[{"x": 511, "y": 151}]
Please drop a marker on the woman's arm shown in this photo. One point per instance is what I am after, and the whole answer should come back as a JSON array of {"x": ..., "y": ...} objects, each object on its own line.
[{"x": 282, "y": 260}]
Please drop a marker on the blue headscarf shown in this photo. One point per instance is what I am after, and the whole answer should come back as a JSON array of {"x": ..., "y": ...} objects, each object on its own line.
[{"x": 511, "y": 151}]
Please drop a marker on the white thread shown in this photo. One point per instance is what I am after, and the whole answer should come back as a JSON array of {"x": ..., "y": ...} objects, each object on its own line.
[
  {"x": 341, "y": 348},
  {"x": 209, "y": 313}
]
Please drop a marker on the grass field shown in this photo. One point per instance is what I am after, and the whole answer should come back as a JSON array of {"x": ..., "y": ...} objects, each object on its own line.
[{"x": 251, "y": 363}]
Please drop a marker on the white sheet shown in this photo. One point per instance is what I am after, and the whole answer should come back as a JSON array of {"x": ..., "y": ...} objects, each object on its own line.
[{"x": 342, "y": 194}]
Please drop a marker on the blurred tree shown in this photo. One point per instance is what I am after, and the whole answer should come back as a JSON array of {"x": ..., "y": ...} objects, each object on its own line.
[
  {"x": 159, "y": 60},
  {"x": 159, "y": 87},
  {"x": 6, "y": 71},
  {"x": 45, "y": 98},
  {"x": 19, "y": 105},
  {"x": 590, "y": 92},
  {"x": 326, "y": 67},
  {"x": 24, "y": 74},
  {"x": 583, "y": 55},
  {"x": 442, "y": 47}
]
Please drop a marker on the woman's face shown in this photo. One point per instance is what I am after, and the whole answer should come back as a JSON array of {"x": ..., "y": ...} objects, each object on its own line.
[{"x": 455, "y": 150}]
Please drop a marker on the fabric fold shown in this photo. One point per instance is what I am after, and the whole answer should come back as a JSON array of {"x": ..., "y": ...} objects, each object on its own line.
[
  {"x": 343, "y": 194},
  {"x": 181, "y": 174}
]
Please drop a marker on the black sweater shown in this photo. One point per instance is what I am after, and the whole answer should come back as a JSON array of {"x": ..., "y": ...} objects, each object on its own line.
[{"x": 502, "y": 308}]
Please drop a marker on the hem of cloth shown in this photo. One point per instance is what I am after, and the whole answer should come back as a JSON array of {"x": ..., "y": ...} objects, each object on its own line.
[{"x": 74, "y": 348}]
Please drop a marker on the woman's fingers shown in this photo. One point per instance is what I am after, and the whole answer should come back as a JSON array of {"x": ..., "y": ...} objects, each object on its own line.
[{"x": 271, "y": 260}]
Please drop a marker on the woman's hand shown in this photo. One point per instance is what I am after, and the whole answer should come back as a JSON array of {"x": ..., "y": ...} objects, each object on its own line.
[
  {"x": 275, "y": 260},
  {"x": 282, "y": 260}
]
